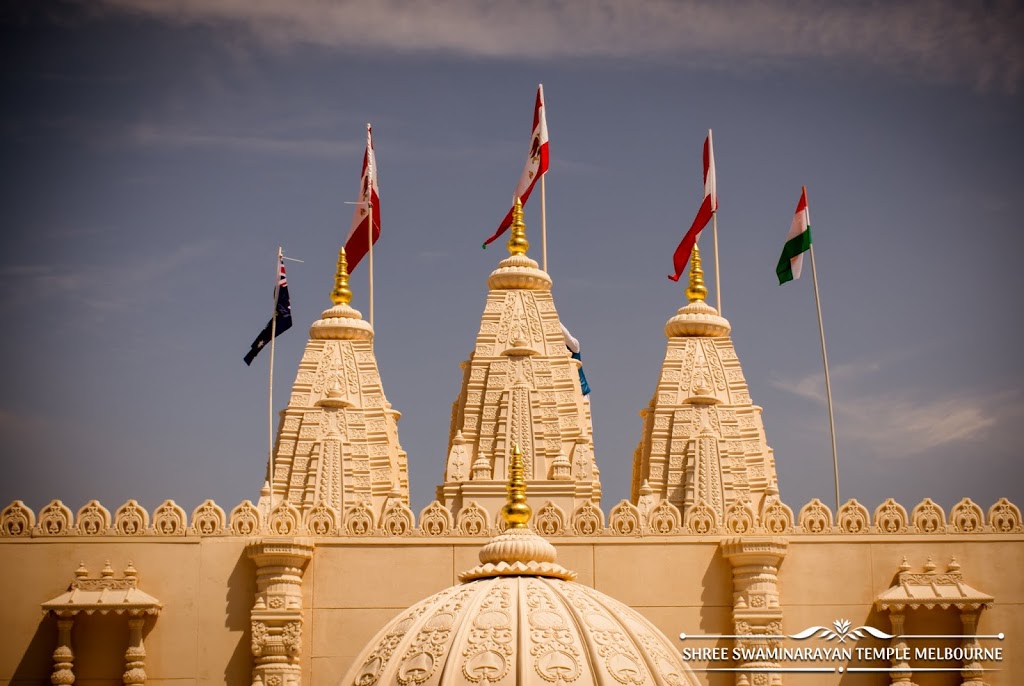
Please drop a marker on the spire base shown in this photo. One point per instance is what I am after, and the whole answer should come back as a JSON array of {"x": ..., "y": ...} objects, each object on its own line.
[
  {"x": 519, "y": 272},
  {"x": 341, "y": 322},
  {"x": 697, "y": 319}
]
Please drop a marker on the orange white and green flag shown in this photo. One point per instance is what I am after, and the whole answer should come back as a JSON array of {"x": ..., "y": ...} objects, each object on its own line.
[{"x": 798, "y": 241}]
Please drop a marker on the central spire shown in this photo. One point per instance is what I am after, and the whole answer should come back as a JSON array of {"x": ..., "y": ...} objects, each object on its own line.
[
  {"x": 341, "y": 295},
  {"x": 516, "y": 511},
  {"x": 696, "y": 290}
]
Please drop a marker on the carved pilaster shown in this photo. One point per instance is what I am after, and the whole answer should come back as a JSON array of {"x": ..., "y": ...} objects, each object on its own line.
[
  {"x": 277, "y": 613},
  {"x": 135, "y": 656},
  {"x": 63, "y": 656},
  {"x": 901, "y": 673},
  {"x": 756, "y": 610},
  {"x": 972, "y": 671}
]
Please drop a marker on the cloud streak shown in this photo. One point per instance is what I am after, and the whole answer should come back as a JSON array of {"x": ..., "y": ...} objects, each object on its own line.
[
  {"x": 905, "y": 424},
  {"x": 943, "y": 40}
]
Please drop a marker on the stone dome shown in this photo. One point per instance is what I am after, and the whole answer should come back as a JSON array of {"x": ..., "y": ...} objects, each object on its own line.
[{"x": 519, "y": 618}]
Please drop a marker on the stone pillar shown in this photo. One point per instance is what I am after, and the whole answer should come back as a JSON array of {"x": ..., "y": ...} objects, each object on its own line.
[
  {"x": 972, "y": 671},
  {"x": 63, "y": 657},
  {"x": 756, "y": 610},
  {"x": 277, "y": 613},
  {"x": 901, "y": 675},
  {"x": 135, "y": 656}
]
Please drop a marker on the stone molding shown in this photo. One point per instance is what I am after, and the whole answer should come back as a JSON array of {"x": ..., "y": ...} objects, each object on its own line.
[{"x": 625, "y": 519}]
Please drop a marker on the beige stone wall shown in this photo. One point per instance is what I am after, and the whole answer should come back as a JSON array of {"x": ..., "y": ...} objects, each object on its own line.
[{"x": 353, "y": 585}]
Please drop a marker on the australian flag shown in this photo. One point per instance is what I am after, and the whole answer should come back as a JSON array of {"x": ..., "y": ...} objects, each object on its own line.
[{"x": 283, "y": 314}]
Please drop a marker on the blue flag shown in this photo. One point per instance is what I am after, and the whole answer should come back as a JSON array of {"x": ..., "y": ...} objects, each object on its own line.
[
  {"x": 283, "y": 314},
  {"x": 574, "y": 349}
]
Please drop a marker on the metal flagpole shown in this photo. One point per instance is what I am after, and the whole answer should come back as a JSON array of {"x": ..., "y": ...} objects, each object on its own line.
[
  {"x": 543, "y": 224},
  {"x": 270, "y": 384},
  {"x": 369, "y": 223},
  {"x": 828, "y": 385},
  {"x": 718, "y": 281}
]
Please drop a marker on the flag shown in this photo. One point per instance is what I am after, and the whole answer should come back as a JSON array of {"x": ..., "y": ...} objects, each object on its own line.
[
  {"x": 368, "y": 209},
  {"x": 798, "y": 241},
  {"x": 574, "y": 349},
  {"x": 536, "y": 163},
  {"x": 282, "y": 312},
  {"x": 707, "y": 208}
]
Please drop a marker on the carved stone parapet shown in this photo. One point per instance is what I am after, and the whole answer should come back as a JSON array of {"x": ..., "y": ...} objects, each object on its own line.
[
  {"x": 756, "y": 609},
  {"x": 277, "y": 613}
]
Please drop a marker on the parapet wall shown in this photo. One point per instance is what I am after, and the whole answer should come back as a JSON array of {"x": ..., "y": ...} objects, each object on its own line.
[{"x": 776, "y": 518}]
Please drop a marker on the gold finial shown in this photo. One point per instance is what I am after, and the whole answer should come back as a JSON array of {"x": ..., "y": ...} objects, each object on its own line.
[
  {"x": 517, "y": 243},
  {"x": 696, "y": 290},
  {"x": 516, "y": 512},
  {"x": 341, "y": 295}
]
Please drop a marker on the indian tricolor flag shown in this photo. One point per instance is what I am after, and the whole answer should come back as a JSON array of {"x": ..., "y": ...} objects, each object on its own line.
[{"x": 798, "y": 241}]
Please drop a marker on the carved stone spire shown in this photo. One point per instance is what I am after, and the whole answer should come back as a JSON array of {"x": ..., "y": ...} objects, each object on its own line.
[
  {"x": 337, "y": 442},
  {"x": 703, "y": 440},
  {"x": 520, "y": 386}
]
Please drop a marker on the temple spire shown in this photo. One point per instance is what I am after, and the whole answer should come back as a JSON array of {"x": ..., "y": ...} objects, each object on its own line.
[
  {"x": 516, "y": 512},
  {"x": 517, "y": 243},
  {"x": 696, "y": 290},
  {"x": 341, "y": 295}
]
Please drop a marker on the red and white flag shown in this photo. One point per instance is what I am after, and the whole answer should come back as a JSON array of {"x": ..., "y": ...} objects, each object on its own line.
[
  {"x": 367, "y": 209},
  {"x": 707, "y": 209},
  {"x": 536, "y": 163}
]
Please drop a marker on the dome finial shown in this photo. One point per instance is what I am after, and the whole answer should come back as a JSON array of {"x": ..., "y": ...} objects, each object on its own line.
[
  {"x": 516, "y": 512},
  {"x": 696, "y": 290},
  {"x": 341, "y": 295},
  {"x": 517, "y": 243}
]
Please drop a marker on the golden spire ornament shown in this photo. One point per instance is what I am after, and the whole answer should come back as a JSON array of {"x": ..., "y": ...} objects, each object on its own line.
[
  {"x": 517, "y": 243},
  {"x": 696, "y": 290},
  {"x": 516, "y": 512},
  {"x": 341, "y": 295}
]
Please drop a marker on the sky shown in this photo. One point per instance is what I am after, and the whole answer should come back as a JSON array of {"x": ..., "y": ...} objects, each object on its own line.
[{"x": 155, "y": 153}]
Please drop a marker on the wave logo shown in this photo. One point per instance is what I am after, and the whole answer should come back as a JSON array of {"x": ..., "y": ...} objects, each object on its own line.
[{"x": 841, "y": 630}]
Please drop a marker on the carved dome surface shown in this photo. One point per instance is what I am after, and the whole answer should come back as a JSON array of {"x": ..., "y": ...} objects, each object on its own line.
[
  {"x": 519, "y": 630},
  {"x": 518, "y": 618}
]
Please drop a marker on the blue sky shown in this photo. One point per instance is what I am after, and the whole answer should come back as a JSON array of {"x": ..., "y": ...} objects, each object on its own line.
[{"x": 155, "y": 154}]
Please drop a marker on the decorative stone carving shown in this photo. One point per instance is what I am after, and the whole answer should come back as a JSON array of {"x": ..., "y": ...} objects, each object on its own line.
[
  {"x": 587, "y": 520},
  {"x": 472, "y": 520},
  {"x": 322, "y": 520},
  {"x": 1003, "y": 517},
  {"x": 131, "y": 519},
  {"x": 891, "y": 518},
  {"x": 966, "y": 517},
  {"x": 624, "y": 520},
  {"x": 436, "y": 520},
  {"x": 700, "y": 519},
  {"x": 169, "y": 519},
  {"x": 815, "y": 518},
  {"x": 245, "y": 519},
  {"x": 664, "y": 519},
  {"x": 277, "y": 613},
  {"x": 740, "y": 517},
  {"x": 397, "y": 519},
  {"x": 853, "y": 518},
  {"x": 358, "y": 520},
  {"x": 92, "y": 520},
  {"x": 550, "y": 520},
  {"x": 928, "y": 518},
  {"x": 284, "y": 520},
  {"x": 17, "y": 520},
  {"x": 208, "y": 519},
  {"x": 776, "y": 517}
]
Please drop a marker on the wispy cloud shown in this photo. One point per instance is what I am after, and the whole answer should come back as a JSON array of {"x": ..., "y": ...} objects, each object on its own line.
[
  {"x": 100, "y": 288},
  {"x": 895, "y": 424},
  {"x": 154, "y": 136},
  {"x": 977, "y": 43}
]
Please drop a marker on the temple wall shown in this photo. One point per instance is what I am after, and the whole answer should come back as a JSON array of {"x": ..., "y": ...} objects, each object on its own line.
[{"x": 681, "y": 580}]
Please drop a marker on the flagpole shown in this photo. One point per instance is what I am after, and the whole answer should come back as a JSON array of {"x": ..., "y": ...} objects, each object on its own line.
[
  {"x": 828, "y": 385},
  {"x": 718, "y": 281},
  {"x": 369, "y": 223},
  {"x": 270, "y": 383},
  {"x": 543, "y": 224}
]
